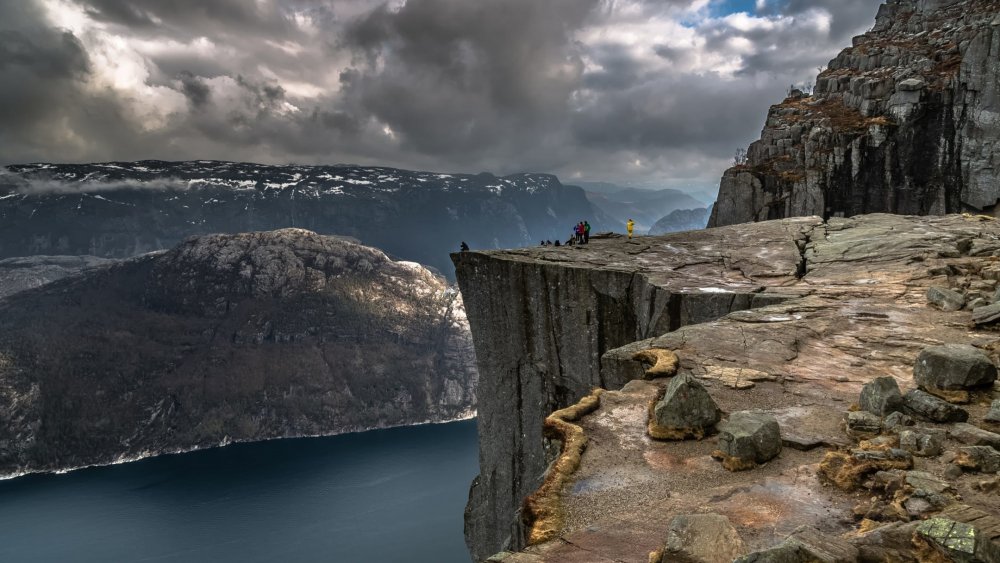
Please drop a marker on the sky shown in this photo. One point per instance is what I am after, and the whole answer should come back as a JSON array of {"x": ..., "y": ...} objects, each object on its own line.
[{"x": 650, "y": 93}]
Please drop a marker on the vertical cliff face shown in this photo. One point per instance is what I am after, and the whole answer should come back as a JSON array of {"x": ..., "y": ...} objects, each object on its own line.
[
  {"x": 906, "y": 120},
  {"x": 542, "y": 318}
]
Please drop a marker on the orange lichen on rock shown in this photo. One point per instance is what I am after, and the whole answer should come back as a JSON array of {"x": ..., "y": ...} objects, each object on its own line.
[
  {"x": 846, "y": 470},
  {"x": 662, "y": 362},
  {"x": 542, "y": 513}
]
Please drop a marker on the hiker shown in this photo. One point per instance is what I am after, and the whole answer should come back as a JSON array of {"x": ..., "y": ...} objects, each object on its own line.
[
  {"x": 557, "y": 243},
  {"x": 629, "y": 226},
  {"x": 542, "y": 243},
  {"x": 465, "y": 247},
  {"x": 579, "y": 232},
  {"x": 586, "y": 232},
  {"x": 549, "y": 242}
]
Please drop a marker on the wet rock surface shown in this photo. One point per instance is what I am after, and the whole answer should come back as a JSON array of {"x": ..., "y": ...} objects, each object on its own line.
[
  {"x": 836, "y": 305},
  {"x": 227, "y": 338}
]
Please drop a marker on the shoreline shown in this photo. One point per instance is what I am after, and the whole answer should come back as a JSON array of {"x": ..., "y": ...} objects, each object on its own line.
[{"x": 226, "y": 441}]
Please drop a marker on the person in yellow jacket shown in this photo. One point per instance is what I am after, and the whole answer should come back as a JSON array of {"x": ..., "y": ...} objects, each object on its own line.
[{"x": 629, "y": 226}]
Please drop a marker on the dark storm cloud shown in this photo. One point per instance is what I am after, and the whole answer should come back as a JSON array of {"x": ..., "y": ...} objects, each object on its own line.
[
  {"x": 628, "y": 90},
  {"x": 195, "y": 89}
]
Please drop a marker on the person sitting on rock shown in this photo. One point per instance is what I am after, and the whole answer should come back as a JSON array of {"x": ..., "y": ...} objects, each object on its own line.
[
  {"x": 557, "y": 243},
  {"x": 464, "y": 247}
]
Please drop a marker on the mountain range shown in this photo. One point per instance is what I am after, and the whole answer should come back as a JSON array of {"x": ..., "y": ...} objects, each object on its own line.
[{"x": 123, "y": 209}]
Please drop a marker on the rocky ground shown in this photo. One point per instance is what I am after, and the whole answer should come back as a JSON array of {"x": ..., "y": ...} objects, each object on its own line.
[
  {"x": 227, "y": 338},
  {"x": 856, "y": 304}
]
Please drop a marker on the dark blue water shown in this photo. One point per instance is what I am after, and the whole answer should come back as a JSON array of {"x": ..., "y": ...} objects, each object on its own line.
[{"x": 386, "y": 495}]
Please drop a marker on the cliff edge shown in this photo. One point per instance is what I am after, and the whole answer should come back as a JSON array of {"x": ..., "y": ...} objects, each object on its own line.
[
  {"x": 790, "y": 317},
  {"x": 906, "y": 120}
]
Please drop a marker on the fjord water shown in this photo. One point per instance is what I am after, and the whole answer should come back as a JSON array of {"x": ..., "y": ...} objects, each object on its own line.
[{"x": 385, "y": 495}]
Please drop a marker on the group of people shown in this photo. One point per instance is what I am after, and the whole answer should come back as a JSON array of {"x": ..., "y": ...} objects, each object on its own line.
[{"x": 581, "y": 235}]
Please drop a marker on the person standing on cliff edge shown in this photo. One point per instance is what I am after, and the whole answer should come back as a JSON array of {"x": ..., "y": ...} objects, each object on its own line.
[{"x": 628, "y": 227}]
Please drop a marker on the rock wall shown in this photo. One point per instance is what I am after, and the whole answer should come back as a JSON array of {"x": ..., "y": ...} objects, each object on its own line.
[
  {"x": 227, "y": 338},
  {"x": 906, "y": 120},
  {"x": 542, "y": 318}
]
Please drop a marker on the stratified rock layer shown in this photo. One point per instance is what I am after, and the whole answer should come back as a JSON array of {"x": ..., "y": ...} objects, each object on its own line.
[
  {"x": 905, "y": 120},
  {"x": 820, "y": 307},
  {"x": 227, "y": 338}
]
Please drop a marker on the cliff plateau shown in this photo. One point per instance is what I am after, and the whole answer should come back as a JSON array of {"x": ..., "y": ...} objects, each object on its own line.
[
  {"x": 791, "y": 317},
  {"x": 227, "y": 338},
  {"x": 906, "y": 120}
]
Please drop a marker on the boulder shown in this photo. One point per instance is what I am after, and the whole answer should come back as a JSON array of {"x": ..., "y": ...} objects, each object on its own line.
[
  {"x": 974, "y": 436},
  {"x": 953, "y": 366},
  {"x": 702, "y": 538},
  {"x": 994, "y": 414},
  {"x": 979, "y": 458},
  {"x": 928, "y": 406},
  {"x": 958, "y": 541},
  {"x": 862, "y": 424},
  {"x": 945, "y": 299},
  {"x": 986, "y": 315},
  {"x": 896, "y": 421},
  {"x": 685, "y": 411},
  {"x": 920, "y": 444},
  {"x": 881, "y": 396},
  {"x": 748, "y": 438}
]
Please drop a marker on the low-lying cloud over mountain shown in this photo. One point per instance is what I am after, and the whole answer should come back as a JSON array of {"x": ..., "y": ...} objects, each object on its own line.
[{"x": 641, "y": 91}]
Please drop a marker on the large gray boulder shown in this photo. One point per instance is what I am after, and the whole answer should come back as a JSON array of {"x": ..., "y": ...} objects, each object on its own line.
[
  {"x": 881, "y": 396},
  {"x": 749, "y": 438},
  {"x": 958, "y": 541},
  {"x": 685, "y": 411},
  {"x": 945, "y": 299},
  {"x": 923, "y": 404},
  {"x": 953, "y": 366},
  {"x": 974, "y": 435},
  {"x": 702, "y": 538}
]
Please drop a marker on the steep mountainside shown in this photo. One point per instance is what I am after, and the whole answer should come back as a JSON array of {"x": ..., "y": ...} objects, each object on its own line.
[
  {"x": 682, "y": 220},
  {"x": 906, "y": 120},
  {"x": 20, "y": 274},
  {"x": 644, "y": 207},
  {"x": 227, "y": 337},
  {"x": 120, "y": 210}
]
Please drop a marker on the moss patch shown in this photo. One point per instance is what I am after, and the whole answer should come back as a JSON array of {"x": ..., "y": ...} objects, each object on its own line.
[
  {"x": 542, "y": 510},
  {"x": 661, "y": 362}
]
